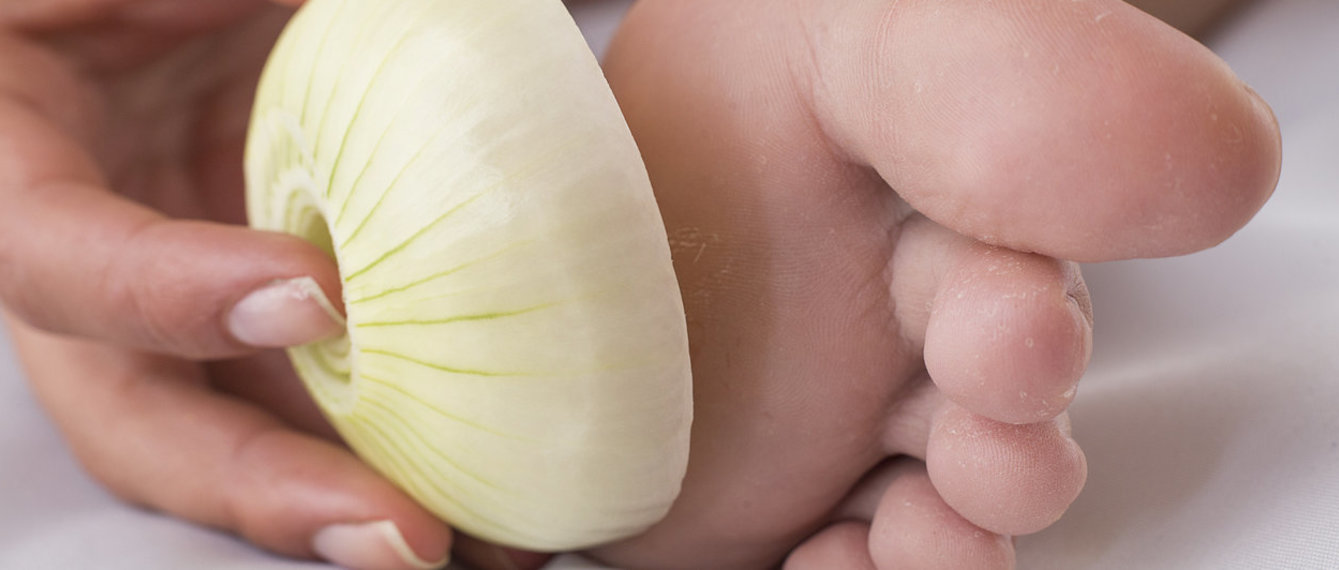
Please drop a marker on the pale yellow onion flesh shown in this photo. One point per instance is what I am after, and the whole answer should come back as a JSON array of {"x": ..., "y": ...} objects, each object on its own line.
[{"x": 516, "y": 357}]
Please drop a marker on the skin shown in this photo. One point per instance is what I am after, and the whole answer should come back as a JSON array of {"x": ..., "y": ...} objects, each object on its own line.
[
  {"x": 867, "y": 221},
  {"x": 860, "y": 301},
  {"x": 123, "y": 125}
]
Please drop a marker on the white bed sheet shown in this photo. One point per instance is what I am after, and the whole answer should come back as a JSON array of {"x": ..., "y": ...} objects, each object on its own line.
[{"x": 1210, "y": 414}]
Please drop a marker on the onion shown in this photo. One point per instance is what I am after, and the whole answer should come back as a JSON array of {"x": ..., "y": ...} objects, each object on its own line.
[{"x": 517, "y": 356}]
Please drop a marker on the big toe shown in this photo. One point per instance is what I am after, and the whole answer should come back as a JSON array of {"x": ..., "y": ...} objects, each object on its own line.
[{"x": 1081, "y": 130}]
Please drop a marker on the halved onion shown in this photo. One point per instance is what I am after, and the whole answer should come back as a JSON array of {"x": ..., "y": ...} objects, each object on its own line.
[{"x": 516, "y": 357}]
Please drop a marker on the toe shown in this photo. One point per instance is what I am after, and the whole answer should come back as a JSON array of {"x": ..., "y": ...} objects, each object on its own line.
[
  {"x": 914, "y": 528},
  {"x": 1007, "y": 478},
  {"x": 842, "y": 545},
  {"x": 909, "y": 526},
  {"x": 1082, "y": 130},
  {"x": 1009, "y": 334}
]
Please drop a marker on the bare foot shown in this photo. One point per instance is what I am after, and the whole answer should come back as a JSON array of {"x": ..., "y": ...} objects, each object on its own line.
[{"x": 867, "y": 201}]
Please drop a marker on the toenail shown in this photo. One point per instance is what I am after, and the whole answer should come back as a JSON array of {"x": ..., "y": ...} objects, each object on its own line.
[{"x": 1065, "y": 425}]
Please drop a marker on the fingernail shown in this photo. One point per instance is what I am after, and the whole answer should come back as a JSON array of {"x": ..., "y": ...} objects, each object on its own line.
[
  {"x": 370, "y": 546},
  {"x": 289, "y": 312}
]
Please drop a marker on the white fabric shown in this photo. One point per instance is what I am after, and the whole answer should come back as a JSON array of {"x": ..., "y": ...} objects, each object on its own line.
[{"x": 1210, "y": 415}]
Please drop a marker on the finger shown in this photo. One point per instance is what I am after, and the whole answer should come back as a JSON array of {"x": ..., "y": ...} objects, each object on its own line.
[
  {"x": 181, "y": 44},
  {"x": 149, "y": 428},
  {"x": 269, "y": 381},
  {"x": 1080, "y": 130},
  {"x": 85, "y": 262},
  {"x": 43, "y": 15}
]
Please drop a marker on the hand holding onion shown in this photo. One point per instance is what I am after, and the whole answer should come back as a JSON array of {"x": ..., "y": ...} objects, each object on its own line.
[{"x": 138, "y": 304}]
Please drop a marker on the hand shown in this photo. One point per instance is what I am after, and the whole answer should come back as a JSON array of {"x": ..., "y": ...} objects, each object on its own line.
[{"x": 140, "y": 309}]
